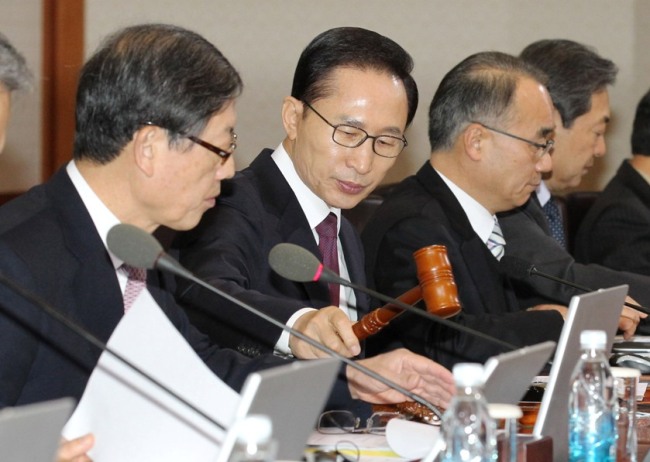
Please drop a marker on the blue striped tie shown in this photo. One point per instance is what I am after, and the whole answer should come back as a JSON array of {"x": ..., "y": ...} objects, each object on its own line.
[{"x": 496, "y": 243}]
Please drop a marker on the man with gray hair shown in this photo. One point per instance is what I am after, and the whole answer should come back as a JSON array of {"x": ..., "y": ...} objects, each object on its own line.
[
  {"x": 14, "y": 75},
  {"x": 578, "y": 79}
]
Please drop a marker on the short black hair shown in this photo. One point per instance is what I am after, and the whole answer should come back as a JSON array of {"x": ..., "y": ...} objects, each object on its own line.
[
  {"x": 14, "y": 73},
  {"x": 151, "y": 73},
  {"x": 641, "y": 127},
  {"x": 480, "y": 88},
  {"x": 352, "y": 47},
  {"x": 575, "y": 72}
]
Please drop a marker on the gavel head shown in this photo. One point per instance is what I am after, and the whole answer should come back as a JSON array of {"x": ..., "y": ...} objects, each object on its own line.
[{"x": 439, "y": 289}]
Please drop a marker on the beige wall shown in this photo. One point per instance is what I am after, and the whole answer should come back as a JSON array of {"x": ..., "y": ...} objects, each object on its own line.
[{"x": 263, "y": 39}]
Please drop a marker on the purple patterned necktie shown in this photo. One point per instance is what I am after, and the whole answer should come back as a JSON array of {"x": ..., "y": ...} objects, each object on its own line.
[
  {"x": 137, "y": 280},
  {"x": 327, "y": 242}
]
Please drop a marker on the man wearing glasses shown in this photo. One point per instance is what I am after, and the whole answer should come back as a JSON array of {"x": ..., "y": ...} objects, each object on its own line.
[
  {"x": 578, "y": 80},
  {"x": 491, "y": 129},
  {"x": 352, "y": 99}
]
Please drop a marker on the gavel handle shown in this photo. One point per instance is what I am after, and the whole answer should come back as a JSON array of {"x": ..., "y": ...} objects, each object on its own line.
[{"x": 374, "y": 321}]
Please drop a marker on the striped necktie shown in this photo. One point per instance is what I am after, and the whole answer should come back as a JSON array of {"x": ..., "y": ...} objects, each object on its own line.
[{"x": 496, "y": 243}]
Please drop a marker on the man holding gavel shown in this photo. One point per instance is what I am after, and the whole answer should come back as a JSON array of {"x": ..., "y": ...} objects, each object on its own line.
[{"x": 352, "y": 99}]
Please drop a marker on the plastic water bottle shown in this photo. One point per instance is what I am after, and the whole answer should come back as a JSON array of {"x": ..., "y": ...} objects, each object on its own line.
[
  {"x": 592, "y": 418},
  {"x": 254, "y": 441},
  {"x": 468, "y": 431}
]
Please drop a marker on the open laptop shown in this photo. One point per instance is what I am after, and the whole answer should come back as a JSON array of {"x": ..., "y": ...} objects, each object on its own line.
[
  {"x": 509, "y": 375},
  {"x": 597, "y": 310},
  {"x": 293, "y": 396},
  {"x": 33, "y": 431}
]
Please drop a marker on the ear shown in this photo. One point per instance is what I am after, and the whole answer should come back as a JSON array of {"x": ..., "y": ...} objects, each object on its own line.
[
  {"x": 145, "y": 144},
  {"x": 292, "y": 111},
  {"x": 473, "y": 139}
]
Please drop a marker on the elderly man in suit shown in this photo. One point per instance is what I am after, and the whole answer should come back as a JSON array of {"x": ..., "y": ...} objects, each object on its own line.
[
  {"x": 578, "y": 79},
  {"x": 491, "y": 130},
  {"x": 351, "y": 101},
  {"x": 154, "y": 139},
  {"x": 616, "y": 230}
]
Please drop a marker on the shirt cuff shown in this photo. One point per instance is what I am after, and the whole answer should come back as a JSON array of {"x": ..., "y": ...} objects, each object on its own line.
[{"x": 282, "y": 346}]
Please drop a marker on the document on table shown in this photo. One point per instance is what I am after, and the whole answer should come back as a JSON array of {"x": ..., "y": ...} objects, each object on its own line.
[{"x": 133, "y": 419}]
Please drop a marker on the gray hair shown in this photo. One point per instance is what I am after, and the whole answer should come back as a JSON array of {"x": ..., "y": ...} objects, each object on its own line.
[{"x": 14, "y": 73}]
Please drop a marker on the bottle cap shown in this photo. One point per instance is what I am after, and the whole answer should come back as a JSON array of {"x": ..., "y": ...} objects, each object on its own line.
[
  {"x": 504, "y": 411},
  {"x": 255, "y": 427},
  {"x": 468, "y": 374},
  {"x": 593, "y": 339}
]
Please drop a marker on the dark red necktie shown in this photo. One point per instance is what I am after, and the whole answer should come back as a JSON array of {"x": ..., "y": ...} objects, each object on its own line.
[{"x": 327, "y": 242}]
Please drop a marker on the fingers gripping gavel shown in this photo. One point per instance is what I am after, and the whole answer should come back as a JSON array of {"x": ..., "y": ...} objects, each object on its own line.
[{"x": 437, "y": 287}]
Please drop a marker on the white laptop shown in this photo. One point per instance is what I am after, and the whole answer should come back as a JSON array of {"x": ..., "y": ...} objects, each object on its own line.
[
  {"x": 594, "y": 310},
  {"x": 293, "y": 396},
  {"x": 509, "y": 375},
  {"x": 32, "y": 432}
]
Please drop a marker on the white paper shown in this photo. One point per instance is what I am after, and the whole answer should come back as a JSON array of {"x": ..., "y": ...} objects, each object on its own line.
[
  {"x": 369, "y": 447},
  {"x": 133, "y": 419},
  {"x": 411, "y": 440}
]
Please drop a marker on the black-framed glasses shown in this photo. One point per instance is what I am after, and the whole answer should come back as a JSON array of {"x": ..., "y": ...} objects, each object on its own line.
[
  {"x": 542, "y": 149},
  {"x": 350, "y": 136},
  {"x": 217, "y": 150},
  {"x": 341, "y": 422}
]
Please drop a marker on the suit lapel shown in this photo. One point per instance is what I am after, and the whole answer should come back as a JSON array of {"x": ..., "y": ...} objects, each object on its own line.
[
  {"x": 101, "y": 307},
  {"x": 292, "y": 224}
]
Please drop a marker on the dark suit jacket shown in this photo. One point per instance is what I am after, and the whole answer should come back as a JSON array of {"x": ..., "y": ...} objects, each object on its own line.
[
  {"x": 616, "y": 230},
  {"x": 229, "y": 249},
  {"x": 528, "y": 238},
  {"x": 422, "y": 211},
  {"x": 50, "y": 246}
]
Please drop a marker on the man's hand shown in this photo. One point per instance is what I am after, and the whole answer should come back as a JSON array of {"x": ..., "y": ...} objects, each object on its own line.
[
  {"x": 630, "y": 319},
  {"x": 415, "y": 373},
  {"x": 75, "y": 450},
  {"x": 550, "y": 307},
  {"x": 329, "y": 326}
]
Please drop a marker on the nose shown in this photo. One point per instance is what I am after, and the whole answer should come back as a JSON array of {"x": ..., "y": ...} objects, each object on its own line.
[
  {"x": 361, "y": 158},
  {"x": 545, "y": 164},
  {"x": 226, "y": 170},
  {"x": 601, "y": 147}
]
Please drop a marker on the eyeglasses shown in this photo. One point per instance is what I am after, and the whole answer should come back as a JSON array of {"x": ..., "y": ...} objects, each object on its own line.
[
  {"x": 211, "y": 147},
  {"x": 340, "y": 422},
  {"x": 542, "y": 149},
  {"x": 352, "y": 137}
]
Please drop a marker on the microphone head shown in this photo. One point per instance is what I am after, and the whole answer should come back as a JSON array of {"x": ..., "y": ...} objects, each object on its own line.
[
  {"x": 515, "y": 267},
  {"x": 134, "y": 246},
  {"x": 294, "y": 263}
]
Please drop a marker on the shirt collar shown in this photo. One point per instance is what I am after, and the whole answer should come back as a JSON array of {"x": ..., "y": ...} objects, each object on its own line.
[
  {"x": 314, "y": 208},
  {"x": 102, "y": 217},
  {"x": 543, "y": 194},
  {"x": 481, "y": 220}
]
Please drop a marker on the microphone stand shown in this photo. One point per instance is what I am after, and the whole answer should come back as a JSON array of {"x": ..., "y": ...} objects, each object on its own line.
[
  {"x": 90, "y": 338},
  {"x": 166, "y": 263}
]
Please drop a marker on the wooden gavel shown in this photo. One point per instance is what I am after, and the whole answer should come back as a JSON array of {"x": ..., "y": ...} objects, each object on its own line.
[
  {"x": 440, "y": 293},
  {"x": 437, "y": 287}
]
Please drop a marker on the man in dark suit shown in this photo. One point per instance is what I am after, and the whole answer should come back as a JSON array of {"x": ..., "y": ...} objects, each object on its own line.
[
  {"x": 154, "y": 104},
  {"x": 490, "y": 129},
  {"x": 615, "y": 231},
  {"x": 578, "y": 79},
  {"x": 351, "y": 101}
]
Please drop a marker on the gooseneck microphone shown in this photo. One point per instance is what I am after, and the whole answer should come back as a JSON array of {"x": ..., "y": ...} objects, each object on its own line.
[
  {"x": 300, "y": 265},
  {"x": 93, "y": 340},
  {"x": 138, "y": 248},
  {"x": 518, "y": 268}
]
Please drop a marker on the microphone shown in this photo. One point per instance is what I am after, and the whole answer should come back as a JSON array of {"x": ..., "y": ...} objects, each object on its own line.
[
  {"x": 93, "y": 340},
  {"x": 300, "y": 265},
  {"x": 138, "y": 248},
  {"x": 518, "y": 268}
]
